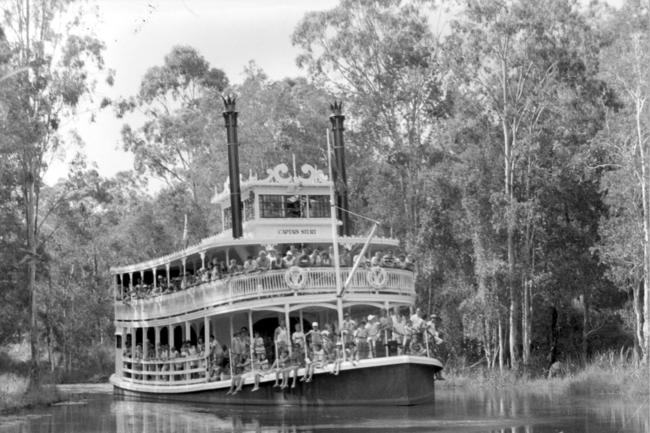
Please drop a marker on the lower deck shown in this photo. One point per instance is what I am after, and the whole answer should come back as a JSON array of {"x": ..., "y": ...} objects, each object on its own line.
[{"x": 397, "y": 380}]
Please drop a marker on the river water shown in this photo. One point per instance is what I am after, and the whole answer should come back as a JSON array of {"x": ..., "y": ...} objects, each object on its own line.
[{"x": 95, "y": 410}]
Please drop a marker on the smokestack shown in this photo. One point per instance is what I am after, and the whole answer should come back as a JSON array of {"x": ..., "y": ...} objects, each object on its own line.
[
  {"x": 230, "y": 117},
  {"x": 339, "y": 177}
]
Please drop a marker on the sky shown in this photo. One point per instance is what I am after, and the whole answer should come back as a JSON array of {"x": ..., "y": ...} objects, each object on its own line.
[{"x": 139, "y": 33}]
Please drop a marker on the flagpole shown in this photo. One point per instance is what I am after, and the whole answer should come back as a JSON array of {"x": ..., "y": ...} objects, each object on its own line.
[{"x": 335, "y": 244}]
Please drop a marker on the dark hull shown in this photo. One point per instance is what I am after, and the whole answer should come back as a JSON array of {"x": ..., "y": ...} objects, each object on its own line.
[{"x": 399, "y": 384}]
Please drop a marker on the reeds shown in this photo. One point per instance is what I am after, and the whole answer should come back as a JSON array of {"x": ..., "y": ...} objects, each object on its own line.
[
  {"x": 15, "y": 393},
  {"x": 606, "y": 373}
]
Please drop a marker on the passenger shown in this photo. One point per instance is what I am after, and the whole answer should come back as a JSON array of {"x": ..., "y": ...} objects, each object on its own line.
[
  {"x": 388, "y": 260},
  {"x": 314, "y": 336},
  {"x": 372, "y": 328},
  {"x": 260, "y": 367},
  {"x": 376, "y": 259},
  {"x": 325, "y": 259},
  {"x": 298, "y": 338},
  {"x": 336, "y": 358},
  {"x": 250, "y": 265},
  {"x": 289, "y": 260},
  {"x": 346, "y": 259},
  {"x": 280, "y": 366},
  {"x": 233, "y": 267},
  {"x": 361, "y": 341},
  {"x": 409, "y": 264},
  {"x": 348, "y": 329},
  {"x": 317, "y": 361},
  {"x": 258, "y": 347},
  {"x": 275, "y": 259},
  {"x": 263, "y": 262},
  {"x": 385, "y": 331},
  {"x": 281, "y": 337},
  {"x": 400, "y": 261},
  {"x": 303, "y": 260},
  {"x": 239, "y": 370},
  {"x": 296, "y": 361},
  {"x": 314, "y": 258}
]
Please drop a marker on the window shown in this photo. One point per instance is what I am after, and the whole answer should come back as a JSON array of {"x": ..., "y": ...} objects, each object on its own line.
[
  {"x": 319, "y": 206},
  {"x": 118, "y": 341},
  {"x": 271, "y": 206}
]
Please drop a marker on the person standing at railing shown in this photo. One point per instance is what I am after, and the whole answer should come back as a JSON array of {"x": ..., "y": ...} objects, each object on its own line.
[
  {"x": 263, "y": 262},
  {"x": 275, "y": 259},
  {"x": 281, "y": 337}
]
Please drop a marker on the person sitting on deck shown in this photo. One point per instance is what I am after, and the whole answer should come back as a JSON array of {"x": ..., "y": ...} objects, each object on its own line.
[
  {"x": 250, "y": 265},
  {"x": 296, "y": 360},
  {"x": 298, "y": 338},
  {"x": 280, "y": 365},
  {"x": 260, "y": 367},
  {"x": 317, "y": 361},
  {"x": 289, "y": 260},
  {"x": 263, "y": 262},
  {"x": 409, "y": 264},
  {"x": 239, "y": 369}
]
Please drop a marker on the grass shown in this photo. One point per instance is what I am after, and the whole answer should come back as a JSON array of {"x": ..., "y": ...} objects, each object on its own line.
[
  {"x": 15, "y": 395},
  {"x": 607, "y": 373}
]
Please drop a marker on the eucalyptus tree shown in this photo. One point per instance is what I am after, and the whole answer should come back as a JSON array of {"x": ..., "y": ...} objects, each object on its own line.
[
  {"x": 53, "y": 61},
  {"x": 525, "y": 63}
]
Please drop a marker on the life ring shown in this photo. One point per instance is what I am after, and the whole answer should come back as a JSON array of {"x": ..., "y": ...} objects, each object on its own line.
[
  {"x": 377, "y": 277},
  {"x": 296, "y": 277}
]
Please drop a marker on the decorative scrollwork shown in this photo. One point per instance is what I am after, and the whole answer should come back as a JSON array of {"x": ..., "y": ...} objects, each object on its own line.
[
  {"x": 296, "y": 278},
  {"x": 314, "y": 175},
  {"x": 278, "y": 174},
  {"x": 377, "y": 277}
]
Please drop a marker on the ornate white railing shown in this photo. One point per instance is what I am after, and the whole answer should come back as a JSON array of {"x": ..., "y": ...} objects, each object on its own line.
[
  {"x": 176, "y": 371},
  {"x": 239, "y": 288}
]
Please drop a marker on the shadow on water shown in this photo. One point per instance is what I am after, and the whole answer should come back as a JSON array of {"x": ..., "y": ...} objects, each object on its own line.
[{"x": 493, "y": 412}]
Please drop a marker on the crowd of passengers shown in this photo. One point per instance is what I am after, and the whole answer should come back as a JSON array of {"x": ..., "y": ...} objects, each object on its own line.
[
  {"x": 264, "y": 261},
  {"x": 324, "y": 348}
]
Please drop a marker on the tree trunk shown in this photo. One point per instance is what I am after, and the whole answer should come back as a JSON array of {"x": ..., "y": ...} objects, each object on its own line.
[
  {"x": 526, "y": 323},
  {"x": 30, "y": 214},
  {"x": 584, "y": 350},
  {"x": 645, "y": 343},
  {"x": 638, "y": 321},
  {"x": 552, "y": 354},
  {"x": 500, "y": 336}
]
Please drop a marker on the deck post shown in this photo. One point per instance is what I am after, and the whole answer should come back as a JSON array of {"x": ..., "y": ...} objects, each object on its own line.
[
  {"x": 286, "y": 320},
  {"x": 387, "y": 307},
  {"x": 156, "y": 345},
  {"x": 230, "y": 357},
  {"x": 206, "y": 345},
  {"x": 184, "y": 280},
  {"x": 202, "y": 254},
  {"x": 170, "y": 333},
  {"x": 252, "y": 339},
  {"x": 145, "y": 354},
  {"x": 167, "y": 265},
  {"x": 155, "y": 283},
  {"x": 130, "y": 281}
]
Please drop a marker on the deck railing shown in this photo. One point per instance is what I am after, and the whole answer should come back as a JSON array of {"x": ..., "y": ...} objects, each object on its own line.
[
  {"x": 175, "y": 371},
  {"x": 258, "y": 285}
]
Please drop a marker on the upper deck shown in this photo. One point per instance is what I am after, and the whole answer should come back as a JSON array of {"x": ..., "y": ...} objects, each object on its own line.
[{"x": 281, "y": 213}]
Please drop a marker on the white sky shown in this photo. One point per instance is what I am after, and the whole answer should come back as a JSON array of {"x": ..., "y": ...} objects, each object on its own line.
[{"x": 139, "y": 33}]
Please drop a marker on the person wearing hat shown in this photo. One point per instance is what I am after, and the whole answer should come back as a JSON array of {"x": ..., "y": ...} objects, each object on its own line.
[
  {"x": 289, "y": 259},
  {"x": 372, "y": 328},
  {"x": 313, "y": 336}
]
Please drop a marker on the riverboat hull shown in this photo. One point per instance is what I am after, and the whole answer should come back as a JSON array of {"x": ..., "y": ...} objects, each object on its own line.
[{"x": 394, "y": 381}]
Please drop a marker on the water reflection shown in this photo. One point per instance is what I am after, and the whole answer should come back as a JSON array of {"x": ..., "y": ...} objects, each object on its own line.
[{"x": 493, "y": 412}]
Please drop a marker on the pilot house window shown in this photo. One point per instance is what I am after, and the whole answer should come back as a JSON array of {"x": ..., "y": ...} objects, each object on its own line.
[{"x": 294, "y": 206}]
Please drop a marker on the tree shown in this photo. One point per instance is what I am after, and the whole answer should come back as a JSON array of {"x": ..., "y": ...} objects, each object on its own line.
[{"x": 55, "y": 76}]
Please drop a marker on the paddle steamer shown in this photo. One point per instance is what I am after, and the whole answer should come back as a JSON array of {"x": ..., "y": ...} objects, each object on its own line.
[{"x": 200, "y": 296}]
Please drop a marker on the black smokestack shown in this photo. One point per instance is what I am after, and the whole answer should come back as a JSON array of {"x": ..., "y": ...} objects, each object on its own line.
[
  {"x": 230, "y": 116},
  {"x": 339, "y": 177}
]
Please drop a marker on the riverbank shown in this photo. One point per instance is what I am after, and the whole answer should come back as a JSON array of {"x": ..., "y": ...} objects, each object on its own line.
[
  {"x": 15, "y": 396},
  {"x": 606, "y": 374}
]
